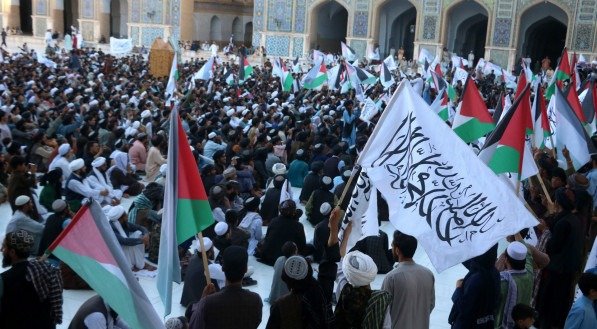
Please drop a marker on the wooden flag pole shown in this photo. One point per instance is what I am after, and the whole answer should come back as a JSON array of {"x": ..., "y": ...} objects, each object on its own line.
[
  {"x": 355, "y": 172},
  {"x": 544, "y": 188},
  {"x": 204, "y": 258}
]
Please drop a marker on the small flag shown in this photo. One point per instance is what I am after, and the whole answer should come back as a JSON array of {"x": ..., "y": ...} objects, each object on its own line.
[
  {"x": 245, "y": 70},
  {"x": 472, "y": 120},
  {"x": 348, "y": 53},
  {"x": 385, "y": 76},
  {"x": 171, "y": 86},
  {"x": 562, "y": 73},
  {"x": 89, "y": 247}
]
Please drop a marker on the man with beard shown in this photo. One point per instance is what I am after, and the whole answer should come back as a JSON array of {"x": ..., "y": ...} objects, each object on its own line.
[
  {"x": 30, "y": 291},
  {"x": 76, "y": 187},
  {"x": 97, "y": 179}
]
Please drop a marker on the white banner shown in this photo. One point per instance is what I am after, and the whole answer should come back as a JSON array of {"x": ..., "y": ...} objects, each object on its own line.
[
  {"x": 369, "y": 110},
  {"x": 436, "y": 188},
  {"x": 120, "y": 46}
]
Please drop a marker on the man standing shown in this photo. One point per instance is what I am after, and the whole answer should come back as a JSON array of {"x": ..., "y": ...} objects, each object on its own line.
[
  {"x": 213, "y": 310},
  {"x": 4, "y": 38},
  {"x": 30, "y": 291},
  {"x": 411, "y": 285}
]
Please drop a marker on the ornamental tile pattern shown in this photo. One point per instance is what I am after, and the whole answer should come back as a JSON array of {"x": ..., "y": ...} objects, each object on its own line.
[
  {"x": 297, "y": 47},
  {"x": 501, "y": 32},
  {"x": 300, "y": 12},
  {"x": 279, "y": 14},
  {"x": 361, "y": 22},
  {"x": 135, "y": 11},
  {"x": 276, "y": 45},
  {"x": 149, "y": 34},
  {"x": 258, "y": 12},
  {"x": 87, "y": 10},
  {"x": 41, "y": 8},
  {"x": 429, "y": 27},
  {"x": 584, "y": 36}
]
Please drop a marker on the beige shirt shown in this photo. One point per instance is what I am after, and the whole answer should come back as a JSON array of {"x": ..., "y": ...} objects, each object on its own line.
[
  {"x": 154, "y": 161},
  {"x": 412, "y": 288}
]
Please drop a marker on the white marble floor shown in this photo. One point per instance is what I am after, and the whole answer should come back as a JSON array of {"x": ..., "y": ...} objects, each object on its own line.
[{"x": 444, "y": 282}]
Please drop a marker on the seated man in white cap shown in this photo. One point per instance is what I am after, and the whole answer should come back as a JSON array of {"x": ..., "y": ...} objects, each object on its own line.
[
  {"x": 97, "y": 179},
  {"x": 132, "y": 238},
  {"x": 516, "y": 285},
  {"x": 213, "y": 144},
  {"x": 21, "y": 220},
  {"x": 77, "y": 188},
  {"x": 62, "y": 161}
]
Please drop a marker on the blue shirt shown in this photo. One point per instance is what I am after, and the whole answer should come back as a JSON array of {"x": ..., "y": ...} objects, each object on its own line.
[{"x": 582, "y": 315}]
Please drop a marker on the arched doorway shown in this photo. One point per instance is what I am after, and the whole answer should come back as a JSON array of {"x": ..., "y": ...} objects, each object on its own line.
[
  {"x": 118, "y": 18},
  {"x": 25, "y": 16},
  {"x": 466, "y": 29},
  {"x": 71, "y": 15},
  {"x": 329, "y": 21},
  {"x": 248, "y": 39},
  {"x": 215, "y": 29},
  {"x": 396, "y": 27},
  {"x": 237, "y": 29},
  {"x": 542, "y": 32}
]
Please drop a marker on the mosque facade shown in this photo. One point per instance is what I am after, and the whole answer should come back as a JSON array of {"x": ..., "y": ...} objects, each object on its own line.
[{"x": 500, "y": 30}]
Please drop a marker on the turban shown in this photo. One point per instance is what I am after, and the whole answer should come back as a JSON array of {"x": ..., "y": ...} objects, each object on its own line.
[{"x": 360, "y": 270}]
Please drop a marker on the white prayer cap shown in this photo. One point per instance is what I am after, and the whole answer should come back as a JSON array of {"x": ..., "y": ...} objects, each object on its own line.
[
  {"x": 325, "y": 208},
  {"x": 230, "y": 112},
  {"x": 226, "y": 99},
  {"x": 88, "y": 90},
  {"x": 94, "y": 102},
  {"x": 53, "y": 91},
  {"x": 70, "y": 105},
  {"x": 136, "y": 124},
  {"x": 196, "y": 246},
  {"x": 517, "y": 250},
  {"x": 221, "y": 228},
  {"x": 68, "y": 91},
  {"x": 279, "y": 168},
  {"x": 212, "y": 135},
  {"x": 255, "y": 106},
  {"x": 164, "y": 169},
  {"x": 58, "y": 205},
  {"x": 360, "y": 269},
  {"x": 106, "y": 209},
  {"x": 115, "y": 213},
  {"x": 245, "y": 111},
  {"x": 98, "y": 162},
  {"x": 22, "y": 200},
  {"x": 63, "y": 149},
  {"x": 296, "y": 267},
  {"x": 76, "y": 164},
  {"x": 145, "y": 114}
]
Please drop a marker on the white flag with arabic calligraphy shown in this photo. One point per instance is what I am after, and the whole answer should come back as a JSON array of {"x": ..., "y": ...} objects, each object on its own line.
[{"x": 437, "y": 189}]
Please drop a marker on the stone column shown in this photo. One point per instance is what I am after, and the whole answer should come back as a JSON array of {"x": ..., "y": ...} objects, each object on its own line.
[
  {"x": 187, "y": 8},
  {"x": 57, "y": 16},
  {"x": 12, "y": 16},
  {"x": 104, "y": 19}
]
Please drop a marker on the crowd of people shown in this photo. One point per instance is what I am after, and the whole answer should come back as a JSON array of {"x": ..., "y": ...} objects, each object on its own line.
[{"x": 95, "y": 126}]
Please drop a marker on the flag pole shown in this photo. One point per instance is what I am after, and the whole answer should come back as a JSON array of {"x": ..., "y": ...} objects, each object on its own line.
[
  {"x": 204, "y": 258},
  {"x": 544, "y": 188},
  {"x": 355, "y": 172}
]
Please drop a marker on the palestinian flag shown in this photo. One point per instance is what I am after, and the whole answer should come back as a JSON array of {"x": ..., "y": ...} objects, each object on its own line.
[
  {"x": 348, "y": 53},
  {"x": 186, "y": 209},
  {"x": 88, "y": 245},
  {"x": 563, "y": 72},
  {"x": 171, "y": 86},
  {"x": 287, "y": 79},
  {"x": 206, "y": 72},
  {"x": 472, "y": 119},
  {"x": 503, "y": 150},
  {"x": 385, "y": 77},
  {"x": 541, "y": 128},
  {"x": 499, "y": 109},
  {"x": 570, "y": 132},
  {"x": 574, "y": 102},
  {"x": 316, "y": 77},
  {"x": 441, "y": 105},
  {"x": 245, "y": 69},
  {"x": 336, "y": 76},
  {"x": 365, "y": 77},
  {"x": 228, "y": 77}
]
